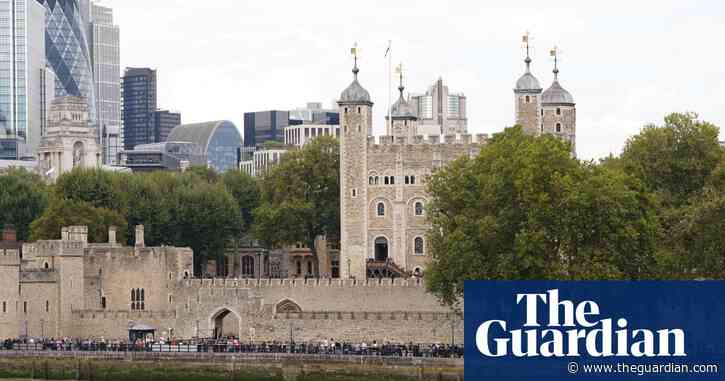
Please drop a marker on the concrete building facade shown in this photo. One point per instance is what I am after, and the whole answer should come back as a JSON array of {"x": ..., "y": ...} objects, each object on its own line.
[
  {"x": 439, "y": 111},
  {"x": 70, "y": 141}
]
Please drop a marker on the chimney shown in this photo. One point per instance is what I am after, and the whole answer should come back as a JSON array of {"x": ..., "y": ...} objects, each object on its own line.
[
  {"x": 78, "y": 233},
  {"x": 112, "y": 235},
  {"x": 140, "y": 236},
  {"x": 9, "y": 234}
]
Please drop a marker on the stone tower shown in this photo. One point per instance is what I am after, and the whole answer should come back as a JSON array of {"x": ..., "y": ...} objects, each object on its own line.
[
  {"x": 356, "y": 111},
  {"x": 404, "y": 123},
  {"x": 558, "y": 110},
  {"x": 528, "y": 98}
]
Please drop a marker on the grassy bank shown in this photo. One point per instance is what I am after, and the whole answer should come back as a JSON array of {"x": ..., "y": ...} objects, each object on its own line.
[{"x": 215, "y": 368}]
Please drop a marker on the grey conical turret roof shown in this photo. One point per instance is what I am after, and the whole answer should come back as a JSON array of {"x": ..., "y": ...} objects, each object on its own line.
[
  {"x": 355, "y": 93},
  {"x": 556, "y": 95},
  {"x": 527, "y": 82}
]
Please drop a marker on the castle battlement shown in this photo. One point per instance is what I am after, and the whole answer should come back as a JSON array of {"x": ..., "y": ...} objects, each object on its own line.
[
  {"x": 122, "y": 315},
  {"x": 387, "y": 316},
  {"x": 225, "y": 283},
  {"x": 463, "y": 139}
]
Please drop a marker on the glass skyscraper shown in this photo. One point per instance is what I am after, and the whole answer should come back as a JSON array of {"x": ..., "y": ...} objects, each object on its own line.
[
  {"x": 103, "y": 40},
  {"x": 67, "y": 51},
  {"x": 22, "y": 77}
]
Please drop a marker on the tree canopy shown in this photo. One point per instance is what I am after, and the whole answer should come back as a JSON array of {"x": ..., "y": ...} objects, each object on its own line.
[
  {"x": 300, "y": 197},
  {"x": 23, "y": 198}
]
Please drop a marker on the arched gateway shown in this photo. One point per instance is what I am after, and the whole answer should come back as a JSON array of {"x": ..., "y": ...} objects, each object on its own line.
[{"x": 225, "y": 323}]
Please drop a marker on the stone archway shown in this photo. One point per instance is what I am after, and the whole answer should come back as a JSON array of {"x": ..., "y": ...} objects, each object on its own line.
[{"x": 224, "y": 323}]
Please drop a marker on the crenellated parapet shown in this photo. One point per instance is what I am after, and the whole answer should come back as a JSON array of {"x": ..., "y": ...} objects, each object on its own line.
[
  {"x": 462, "y": 139},
  {"x": 226, "y": 283}
]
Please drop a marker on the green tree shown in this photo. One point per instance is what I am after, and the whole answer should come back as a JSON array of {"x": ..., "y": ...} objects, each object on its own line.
[
  {"x": 23, "y": 198},
  {"x": 300, "y": 197},
  {"x": 62, "y": 213},
  {"x": 525, "y": 209},
  {"x": 245, "y": 191},
  {"x": 204, "y": 217},
  {"x": 148, "y": 198},
  {"x": 674, "y": 160},
  {"x": 98, "y": 187}
]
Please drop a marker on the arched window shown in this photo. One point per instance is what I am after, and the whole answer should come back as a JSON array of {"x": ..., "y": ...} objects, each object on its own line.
[
  {"x": 419, "y": 246},
  {"x": 377, "y": 180},
  {"x": 558, "y": 127},
  {"x": 288, "y": 306},
  {"x": 381, "y": 209},
  {"x": 345, "y": 110},
  {"x": 528, "y": 99},
  {"x": 412, "y": 180},
  {"x": 407, "y": 180},
  {"x": 46, "y": 266},
  {"x": 359, "y": 110},
  {"x": 247, "y": 266},
  {"x": 387, "y": 180},
  {"x": 392, "y": 180},
  {"x": 371, "y": 180},
  {"x": 143, "y": 297},
  {"x": 133, "y": 295},
  {"x": 558, "y": 111},
  {"x": 418, "y": 208}
]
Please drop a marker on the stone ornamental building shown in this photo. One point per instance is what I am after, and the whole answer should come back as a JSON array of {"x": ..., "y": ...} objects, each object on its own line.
[
  {"x": 70, "y": 141},
  {"x": 383, "y": 181}
]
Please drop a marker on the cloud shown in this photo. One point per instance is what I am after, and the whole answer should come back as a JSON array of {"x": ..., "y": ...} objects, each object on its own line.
[{"x": 627, "y": 63}]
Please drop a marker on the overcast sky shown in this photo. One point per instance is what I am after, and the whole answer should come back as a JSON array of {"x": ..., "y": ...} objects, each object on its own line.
[{"x": 627, "y": 63}]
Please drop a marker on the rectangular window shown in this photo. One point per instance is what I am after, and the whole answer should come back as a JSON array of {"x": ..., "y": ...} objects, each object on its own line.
[
  {"x": 47, "y": 306},
  {"x": 25, "y": 308},
  {"x": 5, "y": 307}
]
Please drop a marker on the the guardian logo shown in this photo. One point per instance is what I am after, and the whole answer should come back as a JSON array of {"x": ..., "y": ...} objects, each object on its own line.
[{"x": 573, "y": 330}]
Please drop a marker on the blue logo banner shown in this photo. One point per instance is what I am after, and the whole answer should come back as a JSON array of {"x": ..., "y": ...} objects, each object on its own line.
[{"x": 550, "y": 331}]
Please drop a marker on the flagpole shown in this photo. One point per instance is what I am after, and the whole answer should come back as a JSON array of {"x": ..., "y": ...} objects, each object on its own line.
[{"x": 390, "y": 82}]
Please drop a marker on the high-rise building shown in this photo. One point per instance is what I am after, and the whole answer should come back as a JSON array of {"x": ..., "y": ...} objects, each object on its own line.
[
  {"x": 104, "y": 43},
  {"x": 67, "y": 51},
  {"x": 264, "y": 126},
  {"x": 313, "y": 113},
  {"x": 139, "y": 103},
  {"x": 23, "y": 73},
  {"x": 440, "y": 112},
  {"x": 163, "y": 121}
]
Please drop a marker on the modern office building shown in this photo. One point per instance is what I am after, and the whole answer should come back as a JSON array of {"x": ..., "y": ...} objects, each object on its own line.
[
  {"x": 162, "y": 122},
  {"x": 314, "y": 114},
  {"x": 67, "y": 51},
  {"x": 23, "y": 85},
  {"x": 220, "y": 142},
  {"x": 264, "y": 126},
  {"x": 104, "y": 44},
  {"x": 166, "y": 156},
  {"x": 139, "y": 103},
  {"x": 439, "y": 110},
  {"x": 300, "y": 135},
  {"x": 262, "y": 161}
]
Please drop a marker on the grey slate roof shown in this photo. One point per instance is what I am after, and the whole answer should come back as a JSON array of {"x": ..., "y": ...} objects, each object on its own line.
[
  {"x": 402, "y": 109},
  {"x": 355, "y": 93},
  {"x": 528, "y": 82},
  {"x": 556, "y": 95}
]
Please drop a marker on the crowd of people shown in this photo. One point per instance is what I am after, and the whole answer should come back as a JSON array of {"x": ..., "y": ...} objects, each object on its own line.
[{"x": 232, "y": 345}]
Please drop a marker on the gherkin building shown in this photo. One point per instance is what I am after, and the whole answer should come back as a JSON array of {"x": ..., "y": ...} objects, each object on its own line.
[{"x": 67, "y": 52}]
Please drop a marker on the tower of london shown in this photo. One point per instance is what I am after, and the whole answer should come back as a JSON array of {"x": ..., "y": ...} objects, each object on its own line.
[{"x": 383, "y": 180}]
